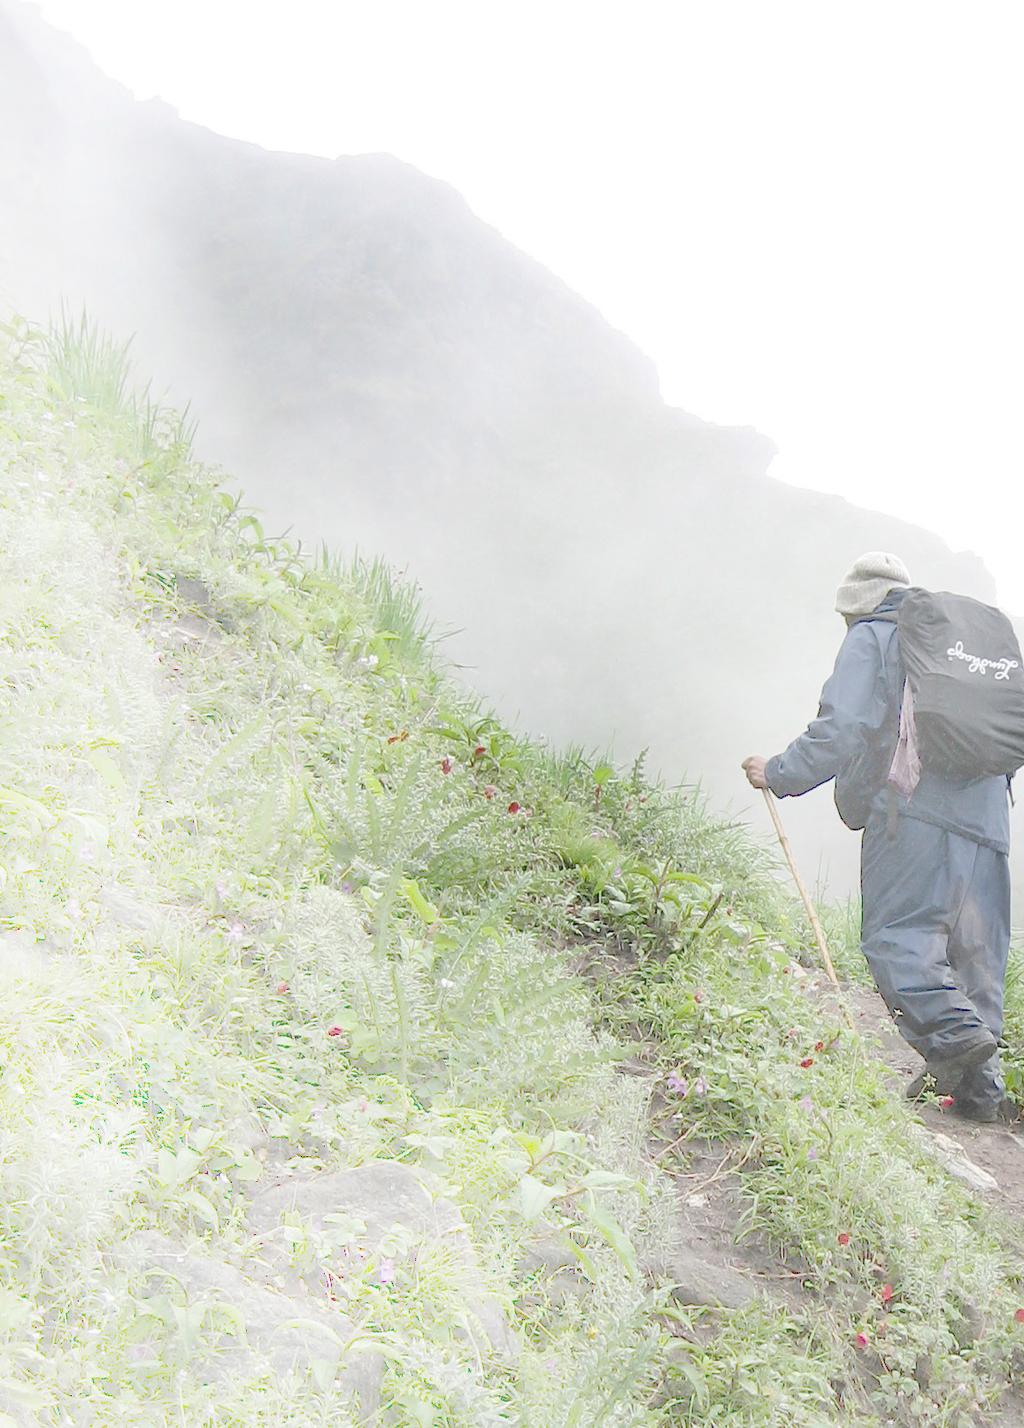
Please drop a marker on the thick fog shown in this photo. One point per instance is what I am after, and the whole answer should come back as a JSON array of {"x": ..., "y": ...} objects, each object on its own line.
[{"x": 381, "y": 370}]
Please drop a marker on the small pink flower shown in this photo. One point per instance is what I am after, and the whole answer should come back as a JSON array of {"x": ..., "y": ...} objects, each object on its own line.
[
  {"x": 677, "y": 1084},
  {"x": 700, "y": 1086},
  {"x": 945, "y": 1102},
  {"x": 1019, "y": 1316},
  {"x": 862, "y": 1340},
  {"x": 335, "y": 1031},
  {"x": 386, "y": 1273},
  {"x": 806, "y": 1104},
  {"x": 843, "y": 1238},
  {"x": 489, "y": 790},
  {"x": 281, "y": 988},
  {"x": 698, "y": 996},
  {"x": 478, "y": 751},
  {"x": 887, "y": 1293}
]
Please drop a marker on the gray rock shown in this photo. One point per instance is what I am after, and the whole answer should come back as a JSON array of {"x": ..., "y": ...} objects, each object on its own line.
[
  {"x": 956, "y": 1161},
  {"x": 970, "y": 1328},
  {"x": 382, "y": 1193},
  {"x": 700, "y": 1281},
  {"x": 25, "y": 955},
  {"x": 193, "y": 629},
  {"x": 552, "y": 1267},
  {"x": 292, "y": 1331},
  {"x": 547, "y": 1253},
  {"x": 386, "y": 1196},
  {"x": 193, "y": 592},
  {"x": 14, "y": 1409},
  {"x": 558, "y": 1290},
  {"x": 126, "y": 911}
]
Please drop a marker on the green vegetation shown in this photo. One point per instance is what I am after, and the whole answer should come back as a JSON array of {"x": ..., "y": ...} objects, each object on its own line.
[
  {"x": 1013, "y": 1025},
  {"x": 278, "y": 901}
]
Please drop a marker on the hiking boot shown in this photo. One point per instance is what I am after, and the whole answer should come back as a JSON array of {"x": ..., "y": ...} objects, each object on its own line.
[
  {"x": 1004, "y": 1112},
  {"x": 951, "y": 1070},
  {"x": 943, "y": 1077}
]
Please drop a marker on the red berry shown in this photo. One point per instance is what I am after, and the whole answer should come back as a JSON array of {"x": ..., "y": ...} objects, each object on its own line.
[
  {"x": 844, "y": 1238},
  {"x": 447, "y": 764},
  {"x": 946, "y": 1102},
  {"x": 515, "y": 807},
  {"x": 819, "y": 1046},
  {"x": 1019, "y": 1316},
  {"x": 478, "y": 751},
  {"x": 807, "y": 1061}
]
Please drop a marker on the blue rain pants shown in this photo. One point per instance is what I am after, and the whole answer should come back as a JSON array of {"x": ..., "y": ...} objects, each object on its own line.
[{"x": 936, "y": 933}]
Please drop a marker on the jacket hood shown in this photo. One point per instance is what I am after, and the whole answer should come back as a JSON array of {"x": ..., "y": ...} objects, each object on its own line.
[{"x": 886, "y": 609}]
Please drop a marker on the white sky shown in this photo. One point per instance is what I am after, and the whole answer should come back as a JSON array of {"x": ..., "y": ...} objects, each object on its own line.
[{"x": 807, "y": 212}]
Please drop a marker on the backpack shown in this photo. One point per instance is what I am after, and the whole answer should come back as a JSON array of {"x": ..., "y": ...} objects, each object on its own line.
[{"x": 965, "y": 678}]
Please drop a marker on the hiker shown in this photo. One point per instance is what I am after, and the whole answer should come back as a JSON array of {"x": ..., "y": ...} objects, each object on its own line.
[{"x": 935, "y": 879}]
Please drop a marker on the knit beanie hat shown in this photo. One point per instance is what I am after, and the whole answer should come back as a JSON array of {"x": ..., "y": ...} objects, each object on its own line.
[{"x": 868, "y": 581}]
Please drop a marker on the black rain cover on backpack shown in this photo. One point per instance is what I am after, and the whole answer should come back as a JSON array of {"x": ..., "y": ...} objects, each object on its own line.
[{"x": 965, "y": 672}]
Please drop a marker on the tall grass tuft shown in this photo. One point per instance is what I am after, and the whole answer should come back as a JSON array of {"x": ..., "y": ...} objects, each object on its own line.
[{"x": 84, "y": 364}]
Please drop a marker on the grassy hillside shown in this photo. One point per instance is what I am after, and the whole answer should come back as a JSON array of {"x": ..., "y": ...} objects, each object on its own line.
[{"x": 360, "y": 1058}]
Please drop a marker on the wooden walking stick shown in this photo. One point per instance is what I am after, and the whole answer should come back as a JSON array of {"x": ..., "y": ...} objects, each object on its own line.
[{"x": 819, "y": 932}]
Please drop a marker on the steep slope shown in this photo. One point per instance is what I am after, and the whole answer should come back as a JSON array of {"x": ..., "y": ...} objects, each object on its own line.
[
  {"x": 308, "y": 1111},
  {"x": 387, "y": 369}
]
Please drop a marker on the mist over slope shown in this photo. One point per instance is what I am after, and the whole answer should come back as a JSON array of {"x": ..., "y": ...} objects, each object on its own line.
[{"x": 388, "y": 371}]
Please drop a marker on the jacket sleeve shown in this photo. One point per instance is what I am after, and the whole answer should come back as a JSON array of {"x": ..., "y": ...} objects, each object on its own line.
[{"x": 851, "y": 710}]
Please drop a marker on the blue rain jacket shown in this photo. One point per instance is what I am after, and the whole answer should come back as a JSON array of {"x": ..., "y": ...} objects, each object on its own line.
[{"x": 853, "y": 738}]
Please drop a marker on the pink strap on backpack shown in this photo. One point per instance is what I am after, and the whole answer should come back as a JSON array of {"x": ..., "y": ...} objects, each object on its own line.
[{"x": 905, "y": 769}]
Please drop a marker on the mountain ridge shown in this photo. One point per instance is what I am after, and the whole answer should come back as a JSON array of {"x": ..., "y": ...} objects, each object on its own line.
[{"x": 386, "y": 370}]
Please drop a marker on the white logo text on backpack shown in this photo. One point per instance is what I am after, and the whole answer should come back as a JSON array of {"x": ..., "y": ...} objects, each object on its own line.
[{"x": 977, "y": 665}]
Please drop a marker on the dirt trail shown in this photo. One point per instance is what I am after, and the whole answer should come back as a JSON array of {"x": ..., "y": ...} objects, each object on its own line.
[
  {"x": 712, "y": 1265},
  {"x": 998, "y": 1150}
]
